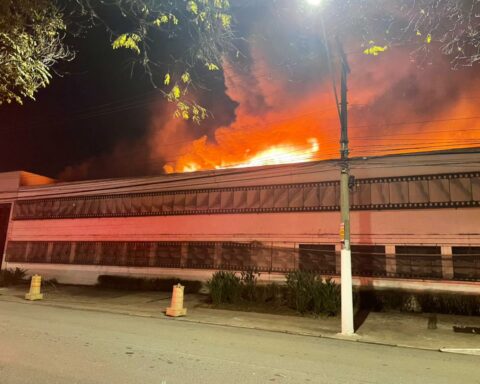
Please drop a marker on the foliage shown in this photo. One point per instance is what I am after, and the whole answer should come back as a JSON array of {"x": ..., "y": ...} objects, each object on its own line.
[
  {"x": 196, "y": 36},
  {"x": 301, "y": 285},
  {"x": 308, "y": 293},
  {"x": 451, "y": 26},
  {"x": 193, "y": 33},
  {"x": 271, "y": 294},
  {"x": 147, "y": 284},
  {"x": 225, "y": 287},
  {"x": 249, "y": 284},
  {"x": 31, "y": 42},
  {"x": 326, "y": 297},
  {"x": 304, "y": 291},
  {"x": 12, "y": 276}
]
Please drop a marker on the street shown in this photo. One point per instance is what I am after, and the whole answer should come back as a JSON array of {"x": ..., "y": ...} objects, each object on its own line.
[{"x": 54, "y": 345}]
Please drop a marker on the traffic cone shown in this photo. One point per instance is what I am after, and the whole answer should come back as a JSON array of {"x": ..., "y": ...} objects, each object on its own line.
[
  {"x": 34, "y": 293},
  {"x": 176, "y": 307}
]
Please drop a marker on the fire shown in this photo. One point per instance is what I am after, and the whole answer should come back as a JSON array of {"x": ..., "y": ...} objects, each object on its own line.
[
  {"x": 281, "y": 154},
  {"x": 276, "y": 125},
  {"x": 273, "y": 155}
]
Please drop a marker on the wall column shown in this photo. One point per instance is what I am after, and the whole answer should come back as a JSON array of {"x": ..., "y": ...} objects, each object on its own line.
[
  {"x": 48, "y": 256},
  {"x": 217, "y": 256},
  {"x": 73, "y": 250},
  {"x": 447, "y": 262},
  {"x": 98, "y": 252},
  {"x": 183, "y": 254},
  {"x": 152, "y": 254},
  {"x": 390, "y": 260}
]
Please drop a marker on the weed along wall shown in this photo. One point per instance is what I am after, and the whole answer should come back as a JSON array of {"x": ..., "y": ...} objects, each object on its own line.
[{"x": 415, "y": 223}]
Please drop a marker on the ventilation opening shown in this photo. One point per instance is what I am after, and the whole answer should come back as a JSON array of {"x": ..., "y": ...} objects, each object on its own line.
[{"x": 419, "y": 261}]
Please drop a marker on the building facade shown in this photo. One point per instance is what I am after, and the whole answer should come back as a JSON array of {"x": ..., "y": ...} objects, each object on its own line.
[{"x": 415, "y": 222}]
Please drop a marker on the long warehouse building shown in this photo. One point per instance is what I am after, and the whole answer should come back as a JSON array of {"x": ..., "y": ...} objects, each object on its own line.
[{"x": 415, "y": 222}]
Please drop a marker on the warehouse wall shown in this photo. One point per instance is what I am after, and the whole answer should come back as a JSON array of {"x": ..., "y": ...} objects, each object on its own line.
[
  {"x": 417, "y": 222},
  {"x": 423, "y": 227}
]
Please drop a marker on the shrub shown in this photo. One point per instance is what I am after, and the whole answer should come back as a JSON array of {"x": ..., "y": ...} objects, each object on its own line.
[
  {"x": 271, "y": 293},
  {"x": 326, "y": 297},
  {"x": 225, "y": 287},
  {"x": 147, "y": 284},
  {"x": 12, "y": 276},
  {"x": 301, "y": 285},
  {"x": 248, "y": 281},
  {"x": 308, "y": 293}
]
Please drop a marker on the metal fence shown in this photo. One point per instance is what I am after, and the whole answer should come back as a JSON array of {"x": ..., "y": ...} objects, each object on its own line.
[{"x": 367, "y": 260}]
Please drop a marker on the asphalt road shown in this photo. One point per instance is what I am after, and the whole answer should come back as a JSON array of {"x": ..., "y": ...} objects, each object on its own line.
[{"x": 41, "y": 345}]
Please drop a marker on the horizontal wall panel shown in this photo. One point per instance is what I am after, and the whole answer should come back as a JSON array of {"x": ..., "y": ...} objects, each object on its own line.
[
  {"x": 461, "y": 189},
  {"x": 433, "y": 191}
]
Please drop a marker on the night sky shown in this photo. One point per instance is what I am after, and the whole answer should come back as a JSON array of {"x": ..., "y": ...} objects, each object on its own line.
[
  {"x": 95, "y": 104},
  {"x": 98, "y": 120}
]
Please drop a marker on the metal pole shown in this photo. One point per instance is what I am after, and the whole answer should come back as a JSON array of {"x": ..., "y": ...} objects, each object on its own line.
[{"x": 346, "y": 258}]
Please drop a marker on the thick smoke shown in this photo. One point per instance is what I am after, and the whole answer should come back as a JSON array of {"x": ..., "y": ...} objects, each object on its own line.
[
  {"x": 395, "y": 107},
  {"x": 280, "y": 93}
]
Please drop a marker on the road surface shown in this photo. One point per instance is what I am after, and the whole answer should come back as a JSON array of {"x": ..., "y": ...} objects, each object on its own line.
[{"x": 40, "y": 344}]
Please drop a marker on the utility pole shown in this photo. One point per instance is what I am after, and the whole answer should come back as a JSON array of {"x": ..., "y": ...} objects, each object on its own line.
[{"x": 346, "y": 256}]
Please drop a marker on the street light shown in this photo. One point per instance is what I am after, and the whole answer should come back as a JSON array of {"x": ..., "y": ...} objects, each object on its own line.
[
  {"x": 346, "y": 256},
  {"x": 315, "y": 2}
]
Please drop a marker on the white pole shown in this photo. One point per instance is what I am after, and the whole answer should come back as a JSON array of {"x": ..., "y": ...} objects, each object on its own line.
[{"x": 347, "y": 297}]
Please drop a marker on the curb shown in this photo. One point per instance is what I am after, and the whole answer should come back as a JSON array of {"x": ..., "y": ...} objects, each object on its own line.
[
  {"x": 357, "y": 338},
  {"x": 462, "y": 351}
]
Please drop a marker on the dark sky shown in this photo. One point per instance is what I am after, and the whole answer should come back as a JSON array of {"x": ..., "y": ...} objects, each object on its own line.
[
  {"x": 70, "y": 119},
  {"x": 94, "y": 104}
]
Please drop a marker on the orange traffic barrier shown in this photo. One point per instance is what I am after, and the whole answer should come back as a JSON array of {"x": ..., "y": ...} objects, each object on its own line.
[
  {"x": 35, "y": 285},
  {"x": 176, "y": 307}
]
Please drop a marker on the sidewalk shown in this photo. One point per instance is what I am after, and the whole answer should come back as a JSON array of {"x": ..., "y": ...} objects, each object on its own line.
[{"x": 396, "y": 329}]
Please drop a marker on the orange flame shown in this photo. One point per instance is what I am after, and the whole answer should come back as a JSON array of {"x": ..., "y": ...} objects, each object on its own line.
[
  {"x": 281, "y": 154},
  {"x": 390, "y": 112}
]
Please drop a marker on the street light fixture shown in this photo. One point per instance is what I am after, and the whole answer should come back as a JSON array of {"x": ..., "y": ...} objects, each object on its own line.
[{"x": 315, "y": 2}]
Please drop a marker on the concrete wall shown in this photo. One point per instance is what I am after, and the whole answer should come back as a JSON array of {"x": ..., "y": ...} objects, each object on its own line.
[
  {"x": 420, "y": 227},
  {"x": 444, "y": 227}
]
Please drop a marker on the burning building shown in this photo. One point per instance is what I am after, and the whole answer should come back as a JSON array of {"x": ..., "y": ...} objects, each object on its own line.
[{"x": 415, "y": 222}]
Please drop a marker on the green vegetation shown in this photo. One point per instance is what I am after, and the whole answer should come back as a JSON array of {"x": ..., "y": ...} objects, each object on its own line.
[
  {"x": 304, "y": 292},
  {"x": 31, "y": 42},
  {"x": 198, "y": 36},
  {"x": 225, "y": 287},
  {"x": 307, "y": 292},
  {"x": 10, "y": 277}
]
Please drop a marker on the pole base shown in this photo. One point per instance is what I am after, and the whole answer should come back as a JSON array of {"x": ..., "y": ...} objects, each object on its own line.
[{"x": 348, "y": 336}]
